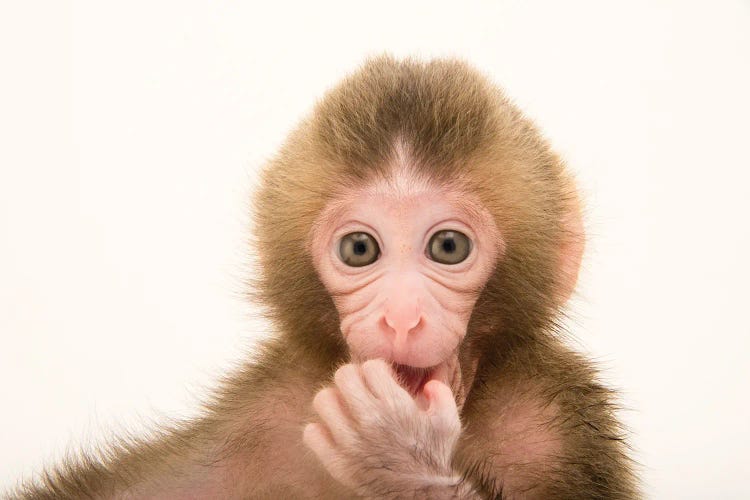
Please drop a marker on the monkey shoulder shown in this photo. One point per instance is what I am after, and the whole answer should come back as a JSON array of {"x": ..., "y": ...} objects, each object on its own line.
[{"x": 545, "y": 426}]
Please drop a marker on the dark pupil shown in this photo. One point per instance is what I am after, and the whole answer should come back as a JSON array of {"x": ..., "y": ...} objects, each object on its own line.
[
  {"x": 449, "y": 245},
  {"x": 360, "y": 248}
]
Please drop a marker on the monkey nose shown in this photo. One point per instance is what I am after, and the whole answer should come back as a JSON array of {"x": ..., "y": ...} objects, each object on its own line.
[
  {"x": 403, "y": 320},
  {"x": 400, "y": 324}
]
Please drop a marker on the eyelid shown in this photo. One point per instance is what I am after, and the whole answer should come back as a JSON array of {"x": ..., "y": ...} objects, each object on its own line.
[
  {"x": 349, "y": 240},
  {"x": 431, "y": 256},
  {"x": 450, "y": 225},
  {"x": 353, "y": 226}
]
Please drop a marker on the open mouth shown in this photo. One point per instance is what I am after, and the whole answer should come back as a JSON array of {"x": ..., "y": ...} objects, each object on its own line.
[{"x": 413, "y": 378}]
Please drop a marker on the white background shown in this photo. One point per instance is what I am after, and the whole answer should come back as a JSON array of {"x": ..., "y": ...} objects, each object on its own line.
[{"x": 130, "y": 138}]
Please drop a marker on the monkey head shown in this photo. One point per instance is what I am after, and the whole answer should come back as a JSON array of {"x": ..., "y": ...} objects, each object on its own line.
[{"x": 419, "y": 218}]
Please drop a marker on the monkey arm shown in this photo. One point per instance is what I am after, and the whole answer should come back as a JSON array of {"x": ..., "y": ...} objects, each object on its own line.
[
  {"x": 247, "y": 445},
  {"x": 540, "y": 425}
]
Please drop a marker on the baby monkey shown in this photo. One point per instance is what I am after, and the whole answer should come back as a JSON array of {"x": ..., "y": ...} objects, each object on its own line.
[{"x": 417, "y": 240}]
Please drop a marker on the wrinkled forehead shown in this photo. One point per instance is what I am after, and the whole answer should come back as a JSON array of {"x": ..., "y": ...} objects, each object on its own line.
[{"x": 401, "y": 186}]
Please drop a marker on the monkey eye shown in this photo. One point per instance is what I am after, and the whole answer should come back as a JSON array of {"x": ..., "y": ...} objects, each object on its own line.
[
  {"x": 358, "y": 249},
  {"x": 449, "y": 247}
]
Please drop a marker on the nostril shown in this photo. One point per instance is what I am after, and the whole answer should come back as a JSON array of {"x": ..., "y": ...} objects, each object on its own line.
[
  {"x": 386, "y": 325},
  {"x": 391, "y": 326},
  {"x": 417, "y": 325}
]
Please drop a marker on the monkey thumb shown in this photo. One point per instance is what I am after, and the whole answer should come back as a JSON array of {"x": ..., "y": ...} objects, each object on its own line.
[{"x": 442, "y": 407}]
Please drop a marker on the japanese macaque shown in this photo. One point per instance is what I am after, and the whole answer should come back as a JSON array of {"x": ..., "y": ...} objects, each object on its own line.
[{"x": 417, "y": 240}]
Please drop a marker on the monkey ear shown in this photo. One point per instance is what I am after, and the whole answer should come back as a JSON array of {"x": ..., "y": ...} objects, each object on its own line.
[{"x": 571, "y": 248}]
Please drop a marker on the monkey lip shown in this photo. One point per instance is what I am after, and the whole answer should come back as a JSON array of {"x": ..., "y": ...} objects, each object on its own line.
[{"x": 413, "y": 378}]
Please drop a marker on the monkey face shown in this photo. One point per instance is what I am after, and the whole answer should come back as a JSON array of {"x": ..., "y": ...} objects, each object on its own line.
[{"x": 405, "y": 261}]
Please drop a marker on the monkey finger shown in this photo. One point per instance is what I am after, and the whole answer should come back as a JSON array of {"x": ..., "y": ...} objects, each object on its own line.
[
  {"x": 354, "y": 393},
  {"x": 381, "y": 380},
  {"x": 318, "y": 439},
  {"x": 327, "y": 404},
  {"x": 442, "y": 410}
]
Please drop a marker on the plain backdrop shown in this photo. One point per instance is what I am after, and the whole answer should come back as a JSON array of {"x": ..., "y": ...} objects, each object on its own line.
[{"x": 131, "y": 134}]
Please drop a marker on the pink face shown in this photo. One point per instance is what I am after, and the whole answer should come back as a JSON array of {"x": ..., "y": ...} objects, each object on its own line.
[{"x": 404, "y": 262}]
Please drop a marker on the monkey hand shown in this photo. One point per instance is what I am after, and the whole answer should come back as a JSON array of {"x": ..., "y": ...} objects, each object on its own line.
[{"x": 375, "y": 439}]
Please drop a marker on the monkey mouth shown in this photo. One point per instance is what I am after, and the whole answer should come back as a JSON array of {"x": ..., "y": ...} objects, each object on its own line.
[{"x": 413, "y": 378}]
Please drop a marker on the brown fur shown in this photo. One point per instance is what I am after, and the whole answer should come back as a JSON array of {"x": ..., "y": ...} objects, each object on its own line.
[{"x": 537, "y": 423}]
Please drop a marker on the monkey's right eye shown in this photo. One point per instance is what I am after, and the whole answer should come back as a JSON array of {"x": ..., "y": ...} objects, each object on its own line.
[{"x": 358, "y": 249}]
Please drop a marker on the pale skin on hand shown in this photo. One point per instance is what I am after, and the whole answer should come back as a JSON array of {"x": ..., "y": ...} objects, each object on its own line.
[{"x": 367, "y": 407}]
